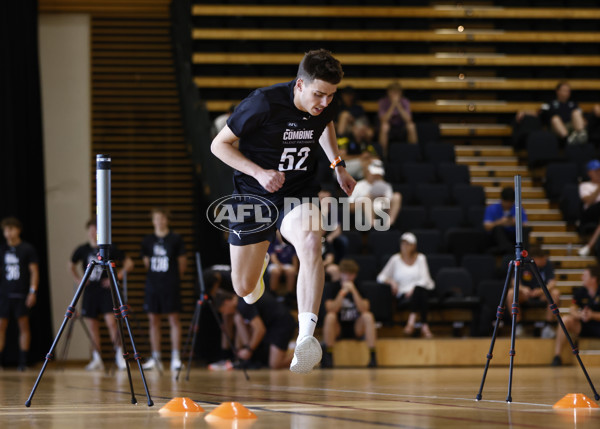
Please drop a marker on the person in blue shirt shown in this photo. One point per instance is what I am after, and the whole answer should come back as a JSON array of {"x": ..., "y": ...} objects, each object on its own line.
[{"x": 499, "y": 221}]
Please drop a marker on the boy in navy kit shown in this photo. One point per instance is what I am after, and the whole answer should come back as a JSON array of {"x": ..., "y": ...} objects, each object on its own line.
[
  {"x": 97, "y": 298},
  {"x": 164, "y": 257},
  {"x": 19, "y": 276},
  {"x": 279, "y": 129}
]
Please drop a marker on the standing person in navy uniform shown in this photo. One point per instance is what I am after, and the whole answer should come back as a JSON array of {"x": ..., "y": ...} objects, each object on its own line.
[
  {"x": 279, "y": 129},
  {"x": 19, "y": 277},
  {"x": 164, "y": 257},
  {"x": 97, "y": 298}
]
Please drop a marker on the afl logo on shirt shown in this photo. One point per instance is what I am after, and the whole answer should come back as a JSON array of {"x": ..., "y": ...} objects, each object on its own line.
[{"x": 242, "y": 214}]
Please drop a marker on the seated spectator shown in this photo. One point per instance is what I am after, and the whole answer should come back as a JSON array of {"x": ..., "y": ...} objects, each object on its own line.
[
  {"x": 499, "y": 221},
  {"x": 583, "y": 319},
  {"x": 531, "y": 292},
  {"x": 350, "y": 111},
  {"x": 408, "y": 275},
  {"x": 379, "y": 192},
  {"x": 593, "y": 125},
  {"x": 589, "y": 192},
  {"x": 264, "y": 330},
  {"x": 225, "y": 303},
  {"x": 356, "y": 147},
  {"x": 284, "y": 264},
  {"x": 348, "y": 315},
  {"x": 395, "y": 118},
  {"x": 564, "y": 117}
]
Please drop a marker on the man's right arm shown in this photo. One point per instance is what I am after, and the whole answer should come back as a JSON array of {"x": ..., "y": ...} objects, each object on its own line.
[{"x": 223, "y": 148}]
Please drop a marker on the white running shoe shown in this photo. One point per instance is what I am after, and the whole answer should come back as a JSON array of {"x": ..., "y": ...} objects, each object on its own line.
[
  {"x": 308, "y": 353},
  {"x": 175, "y": 364},
  {"x": 258, "y": 291},
  {"x": 119, "y": 359},
  {"x": 548, "y": 332},
  {"x": 95, "y": 365},
  {"x": 153, "y": 363},
  {"x": 584, "y": 251}
]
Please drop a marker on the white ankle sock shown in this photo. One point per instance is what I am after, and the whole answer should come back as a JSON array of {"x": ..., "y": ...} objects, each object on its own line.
[
  {"x": 156, "y": 355},
  {"x": 175, "y": 354},
  {"x": 96, "y": 355},
  {"x": 307, "y": 323}
]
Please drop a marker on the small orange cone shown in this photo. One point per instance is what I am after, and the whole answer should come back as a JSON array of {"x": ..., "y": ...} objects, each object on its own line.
[
  {"x": 230, "y": 411},
  {"x": 575, "y": 400},
  {"x": 181, "y": 405}
]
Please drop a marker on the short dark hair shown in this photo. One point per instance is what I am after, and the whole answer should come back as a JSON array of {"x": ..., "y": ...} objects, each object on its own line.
[
  {"x": 536, "y": 251},
  {"x": 507, "y": 194},
  {"x": 91, "y": 222},
  {"x": 11, "y": 222},
  {"x": 162, "y": 210},
  {"x": 561, "y": 83},
  {"x": 220, "y": 297},
  {"x": 594, "y": 272},
  {"x": 349, "y": 266},
  {"x": 320, "y": 64}
]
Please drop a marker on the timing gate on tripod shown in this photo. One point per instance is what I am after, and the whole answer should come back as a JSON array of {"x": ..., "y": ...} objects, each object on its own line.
[
  {"x": 103, "y": 216},
  {"x": 516, "y": 265}
]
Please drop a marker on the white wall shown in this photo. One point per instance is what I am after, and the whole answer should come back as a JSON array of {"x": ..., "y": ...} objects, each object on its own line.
[{"x": 64, "y": 45}]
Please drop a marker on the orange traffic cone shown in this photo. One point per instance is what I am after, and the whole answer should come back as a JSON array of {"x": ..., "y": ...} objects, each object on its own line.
[
  {"x": 181, "y": 405},
  {"x": 230, "y": 411},
  {"x": 575, "y": 400}
]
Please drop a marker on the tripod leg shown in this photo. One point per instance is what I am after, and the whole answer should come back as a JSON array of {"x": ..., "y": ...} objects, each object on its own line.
[
  {"x": 125, "y": 315},
  {"x": 556, "y": 312},
  {"x": 191, "y": 331},
  {"x": 194, "y": 337},
  {"x": 65, "y": 349},
  {"x": 515, "y": 312},
  {"x": 68, "y": 315},
  {"x": 499, "y": 315},
  {"x": 118, "y": 315}
]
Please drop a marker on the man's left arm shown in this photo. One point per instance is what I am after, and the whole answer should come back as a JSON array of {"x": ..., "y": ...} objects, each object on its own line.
[
  {"x": 329, "y": 144},
  {"x": 34, "y": 277}
]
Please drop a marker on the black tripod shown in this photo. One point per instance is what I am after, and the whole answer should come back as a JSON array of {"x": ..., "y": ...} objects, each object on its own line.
[
  {"x": 77, "y": 317},
  {"x": 521, "y": 260},
  {"x": 121, "y": 311},
  {"x": 195, "y": 324}
]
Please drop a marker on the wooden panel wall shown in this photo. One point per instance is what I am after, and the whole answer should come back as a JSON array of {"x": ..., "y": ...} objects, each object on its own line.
[{"x": 136, "y": 119}]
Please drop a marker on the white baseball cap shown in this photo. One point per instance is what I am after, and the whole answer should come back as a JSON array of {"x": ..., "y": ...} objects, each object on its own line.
[{"x": 409, "y": 237}]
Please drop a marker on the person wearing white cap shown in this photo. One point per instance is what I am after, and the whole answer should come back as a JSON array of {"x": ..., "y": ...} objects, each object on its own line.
[
  {"x": 589, "y": 192},
  {"x": 407, "y": 273},
  {"x": 372, "y": 187}
]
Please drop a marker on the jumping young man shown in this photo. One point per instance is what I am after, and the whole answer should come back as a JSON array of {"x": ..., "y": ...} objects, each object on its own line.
[{"x": 278, "y": 129}]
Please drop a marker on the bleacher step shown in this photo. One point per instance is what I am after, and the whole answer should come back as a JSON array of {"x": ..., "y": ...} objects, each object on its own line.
[
  {"x": 527, "y": 192},
  {"x": 500, "y": 181},
  {"x": 488, "y": 160},
  {"x": 394, "y": 352},
  {"x": 477, "y": 150},
  {"x": 498, "y": 171},
  {"x": 553, "y": 237}
]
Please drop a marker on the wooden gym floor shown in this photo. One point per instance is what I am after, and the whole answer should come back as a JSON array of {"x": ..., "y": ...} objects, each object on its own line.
[{"x": 350, "y": 398}]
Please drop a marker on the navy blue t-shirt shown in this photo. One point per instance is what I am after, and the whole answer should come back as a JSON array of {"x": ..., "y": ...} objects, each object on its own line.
[
  {"x": 276, "y": 135},
  {"x": 163, "y": 253},
  {"x": 85, "y": 253},
  {"x": 582, "y": 299},
  {"x": 14, "y": 269},
  {"x": 546, "y": 273}
]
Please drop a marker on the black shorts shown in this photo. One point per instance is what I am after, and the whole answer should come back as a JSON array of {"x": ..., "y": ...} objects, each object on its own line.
[
  {"x": 162, "y": 300},
  {"x": 590, "y": 329},
  {"x": 266, "y": 234},
  {"x": 97, "y": 300},
  {"x": 13, "y": 307},
  {"x": 281, "y": 334},
  {"x": 347, "y": 330}
]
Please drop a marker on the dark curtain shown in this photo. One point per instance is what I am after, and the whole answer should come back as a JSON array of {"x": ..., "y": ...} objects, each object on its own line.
[{"x": 22, "y": 159}]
